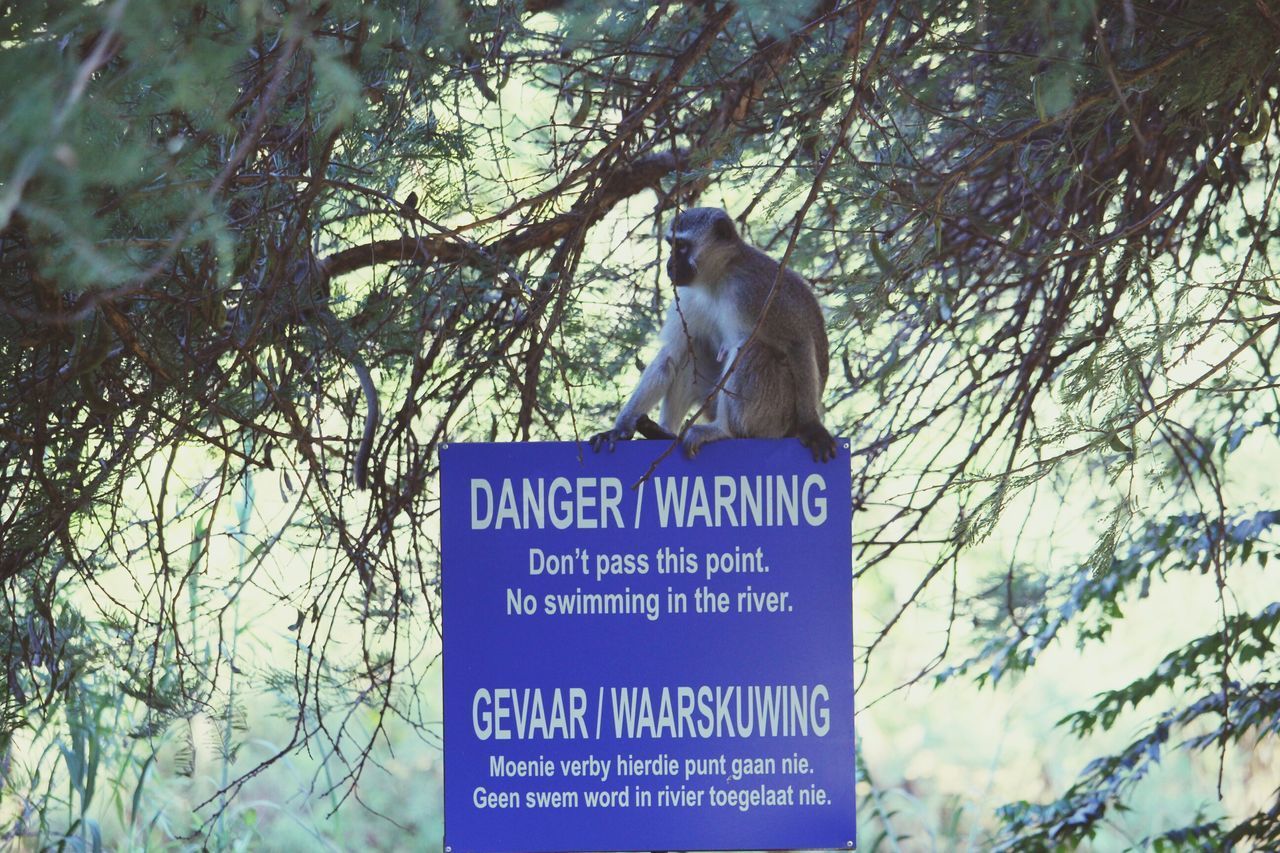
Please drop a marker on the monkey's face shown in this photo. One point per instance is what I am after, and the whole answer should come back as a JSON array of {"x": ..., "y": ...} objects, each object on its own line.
[
  {"x": 680, "y": 265},
  {"x": 699, "y": 238}
]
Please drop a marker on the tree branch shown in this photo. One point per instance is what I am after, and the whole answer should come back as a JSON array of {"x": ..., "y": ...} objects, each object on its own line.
[{"x": 643, "y": 174}]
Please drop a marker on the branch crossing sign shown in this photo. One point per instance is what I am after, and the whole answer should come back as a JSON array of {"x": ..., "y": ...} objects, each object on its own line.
[{"x": 647, "y": 663}]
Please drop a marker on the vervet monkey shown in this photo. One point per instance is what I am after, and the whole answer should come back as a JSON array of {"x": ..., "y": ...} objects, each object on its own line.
[{"x": 775, "y": 389}]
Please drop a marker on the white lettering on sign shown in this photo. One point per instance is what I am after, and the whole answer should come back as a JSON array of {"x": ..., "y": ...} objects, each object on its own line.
[
  {"x": 755, "y": 710},
  {"x": 743, "y": 501},
  {"x": 587, "y": 503},
  {"x": 583, "y": 503},
  {"x": 506, "y": 713}
]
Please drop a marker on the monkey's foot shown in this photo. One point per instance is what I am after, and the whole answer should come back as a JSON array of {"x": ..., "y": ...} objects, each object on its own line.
[
  {"x": 820, "y": 443},
  {"x": 698, "y": 435}
]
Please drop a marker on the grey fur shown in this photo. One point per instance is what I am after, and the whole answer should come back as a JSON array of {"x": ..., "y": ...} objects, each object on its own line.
[{"x": 775, "y": 389}]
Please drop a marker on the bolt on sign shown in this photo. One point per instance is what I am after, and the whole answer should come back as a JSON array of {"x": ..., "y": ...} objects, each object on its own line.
[{"x": 641, "y": 659}]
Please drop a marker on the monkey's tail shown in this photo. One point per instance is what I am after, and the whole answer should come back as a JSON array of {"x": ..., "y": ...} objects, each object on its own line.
[
  {"x": 372, "y": 413},
  {"x": 649, "y": 429}
]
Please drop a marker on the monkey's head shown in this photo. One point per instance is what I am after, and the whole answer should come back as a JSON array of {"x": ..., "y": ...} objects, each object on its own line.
[{"x": 701, "y": 238}]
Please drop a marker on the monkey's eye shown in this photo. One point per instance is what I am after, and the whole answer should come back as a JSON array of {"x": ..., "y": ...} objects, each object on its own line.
[{"x": 679, "y": 245}]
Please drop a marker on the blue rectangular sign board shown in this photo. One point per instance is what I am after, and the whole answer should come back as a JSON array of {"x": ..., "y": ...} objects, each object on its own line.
[{"x": 647, "y": 663}]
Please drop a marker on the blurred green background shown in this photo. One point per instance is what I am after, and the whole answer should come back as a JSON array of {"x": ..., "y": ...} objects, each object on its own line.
[{"x": 1041, "y": 231}]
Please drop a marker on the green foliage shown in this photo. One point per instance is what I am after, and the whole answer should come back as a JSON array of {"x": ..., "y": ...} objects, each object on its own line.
[{"x": 1041, "y": 230}]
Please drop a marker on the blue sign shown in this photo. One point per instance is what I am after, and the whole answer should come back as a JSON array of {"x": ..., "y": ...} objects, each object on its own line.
[{"x": 647, "y": 663}]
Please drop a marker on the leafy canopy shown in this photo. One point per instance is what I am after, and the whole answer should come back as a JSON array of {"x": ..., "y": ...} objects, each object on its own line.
[{"x": 1041, "y": 231}]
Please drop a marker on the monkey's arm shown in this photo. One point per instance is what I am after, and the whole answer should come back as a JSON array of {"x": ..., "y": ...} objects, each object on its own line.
[
  {"x": 809, "y": 428},
  {"x": 653, "y": 385}
]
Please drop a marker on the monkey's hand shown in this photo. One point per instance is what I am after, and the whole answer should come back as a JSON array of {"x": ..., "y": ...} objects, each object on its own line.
[
  {"x": 609, "y": 438},
  {"x": 645, "y": 426},
  {"x": 815, "y": 437}
]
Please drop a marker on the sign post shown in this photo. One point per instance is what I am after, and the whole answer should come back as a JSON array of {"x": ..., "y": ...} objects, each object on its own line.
[{"x": 662, "y": 666}]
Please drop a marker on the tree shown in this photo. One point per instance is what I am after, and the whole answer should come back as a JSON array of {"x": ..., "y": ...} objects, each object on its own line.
[{"x": 1041, "y": 231}]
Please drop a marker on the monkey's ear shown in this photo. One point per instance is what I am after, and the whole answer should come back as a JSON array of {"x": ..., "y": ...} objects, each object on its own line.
[{"x": 722, "y": 229}]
